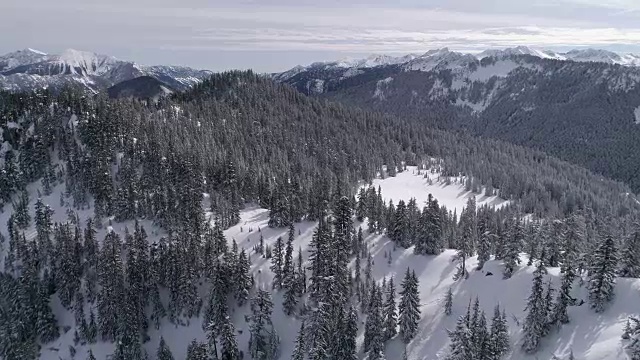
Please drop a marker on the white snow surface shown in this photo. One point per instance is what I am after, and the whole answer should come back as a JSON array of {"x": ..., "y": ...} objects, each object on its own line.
[
  {"x": 413, "y": 184},
  {"x": 591, "y": 336}
]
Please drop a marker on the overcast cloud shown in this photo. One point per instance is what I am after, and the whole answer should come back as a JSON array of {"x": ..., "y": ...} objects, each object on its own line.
[{"x": 273, "y": 35}]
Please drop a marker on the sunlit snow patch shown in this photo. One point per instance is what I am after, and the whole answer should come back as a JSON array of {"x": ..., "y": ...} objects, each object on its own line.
[{"x": 411, "y": 184}]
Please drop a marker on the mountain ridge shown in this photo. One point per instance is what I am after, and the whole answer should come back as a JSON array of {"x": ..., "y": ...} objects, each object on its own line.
[{"x": 29, "y": 69}]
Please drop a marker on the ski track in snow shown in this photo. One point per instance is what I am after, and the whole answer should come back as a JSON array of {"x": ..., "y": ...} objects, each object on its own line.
[{"x": 591, "y": 336}]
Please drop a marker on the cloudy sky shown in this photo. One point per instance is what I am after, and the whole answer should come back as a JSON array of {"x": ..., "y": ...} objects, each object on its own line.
[{"x": 273, "y": 35}]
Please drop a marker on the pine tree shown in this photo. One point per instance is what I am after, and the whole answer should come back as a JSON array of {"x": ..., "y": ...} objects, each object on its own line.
[
  {"x": 216, "y": 311},
  {"x": 534, "y": 326},
  {"x": 348, "y": 334},
  {"x": 301, "y": 277},
  {"x": 374, "y": 327},
  {"x": 409, "y": 307},
  {"x": 389, "y": 313},
  {"x": 499, "y": 335},
  {"x": 277, "y": 263},
  {"x": 630, "y": 256},
  {"x": 242, "y": 278},
  {"x": 602, "y": 275},
  {"x": 461, "y": 347},
  {"x": 448, "y": 302},
  {"x": 112, "y": 293},
  {"x": 548, "y": 307},
  {"x": 299, "y": 350},
  {"x": 511, "y": 256},
  {"x": 264, "y": 341},
  {"x": 288, "y": 269},
  {"x": 573, "y": 237},
  {"x": 228, "y": 342},
  {"x": 197, "y": 351},
  {"x": 92, "y": 357},
  {"x": 163, "y": 353}
]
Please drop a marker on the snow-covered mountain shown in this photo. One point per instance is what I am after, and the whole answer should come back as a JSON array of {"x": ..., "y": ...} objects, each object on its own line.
[
  {"x": 31, "y": 69},
  {"x": 444, "y": 58},
  {"x": 548, "y": 100}
]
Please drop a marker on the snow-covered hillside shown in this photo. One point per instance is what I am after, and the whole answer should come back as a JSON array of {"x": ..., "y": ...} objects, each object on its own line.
[{"x": 590, "y": 336}]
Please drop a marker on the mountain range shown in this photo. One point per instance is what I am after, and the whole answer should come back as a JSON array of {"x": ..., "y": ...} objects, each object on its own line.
[
  {"x": 582, "y": 106},
  {"x": 30, "y": 69}
]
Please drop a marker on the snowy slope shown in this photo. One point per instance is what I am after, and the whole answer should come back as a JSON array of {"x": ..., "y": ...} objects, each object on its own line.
[{"x": 590, "y": 336}]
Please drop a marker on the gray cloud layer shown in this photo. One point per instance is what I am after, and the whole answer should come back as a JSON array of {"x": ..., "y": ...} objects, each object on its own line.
[{"x": 270, "y": 35}]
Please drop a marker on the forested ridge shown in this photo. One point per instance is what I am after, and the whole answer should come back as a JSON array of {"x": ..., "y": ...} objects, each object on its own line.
[{"x": 240, "y": 138}]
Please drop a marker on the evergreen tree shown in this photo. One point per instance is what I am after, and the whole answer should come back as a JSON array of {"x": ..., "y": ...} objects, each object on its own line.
[
  {"x": 112, "y": 293},
  {"x": 163, "y": 353},
  {"x": 511, "y": 256},
  {"x": 374, "y": 328},
  {"x": 602, "y": 275},
  {"x": 277, "y": 263},
  {"x": 409, "y": 307},
  {"x": 389, "y": 312},
  {"x": 288, "y": 269},
  {"x": 461, "y": 347},
  {"x": 573, "y": 237},
  {"x": 92, "y": 357},
  {"x": 448, "y": 302},
  {"x": 228, "y": 342},
  {"x": 299, "y": 350},
  {"x": 264, "y": 341},
  {"x": 197, "y": 351},
  {"x": 499, "y": 335},
  {"x": 535, "y": 323},
  {"x": 242, "y": 278},
  {"x": 630, "y": 255}
]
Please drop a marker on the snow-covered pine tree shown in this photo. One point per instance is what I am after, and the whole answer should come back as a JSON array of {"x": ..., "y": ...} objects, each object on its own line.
[
  {"x": 602, "y": 275},
  {"x": 112, "y": 292},
  {"x": 573, "y": 237},
  {"x": 92, "y": 357},
  {"x": 630, "y": 255},
  {"x": 461, "y": 346},
  {"x": 348, "y": 335},
  {"x": 374, "y": 327},
  {"x": 535, "y": 323},
  {"x": 277, "y": 262},
  {"x": 288, "y": 268},
  {"x": 513, "y": 246},
  {"x": 164, "y": 353},
  {"x": 485, "y": 239},
  {"x": 300, "y": 349},
  {"x": 499, "y": 335},
  {"x": 409, "y": 307},
  {"x": 242, "y": 278},
  {"x": 197, "y": 351},
  {"x": 448, "y": 302},
  {"x": 301, "y": 276},
  {"x": 548, "y": 306},
  {"x": 229, "y": 345},
  {"x": 389, "y": 313},
  {"x": 264, "y": 341},
  {"x": 361, "y": 207}
]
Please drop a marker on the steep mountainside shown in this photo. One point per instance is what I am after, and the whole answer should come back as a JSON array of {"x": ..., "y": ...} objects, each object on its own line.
[
  {"x": 585, "y": 112},
  {"x": 30, "y": 69}
]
